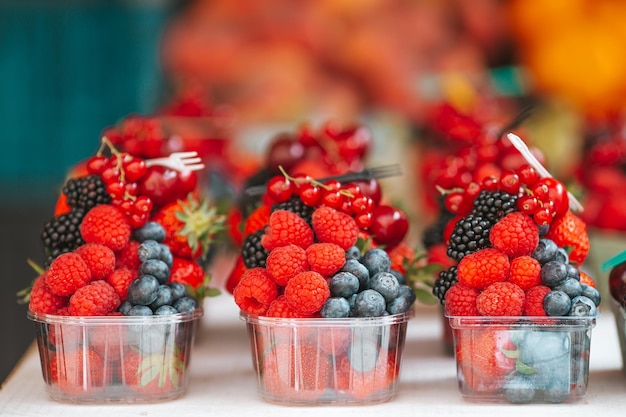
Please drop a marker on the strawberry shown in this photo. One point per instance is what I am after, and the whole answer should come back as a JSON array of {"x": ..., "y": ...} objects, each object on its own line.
[
  {"x": 77, "y": 372},
  {"x": 570, "y": 231},
  {"x": 150, "y": 374},
  {"x": 190, "y": 226},
  {"x": 257, "y": 219},
  {"x": 187, "y": 272},
  {"x": 235, "y": 274},
  {"x": 400, "y": 255}
]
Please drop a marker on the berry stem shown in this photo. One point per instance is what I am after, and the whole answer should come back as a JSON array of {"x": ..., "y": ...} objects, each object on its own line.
[{"x": 312, "y": 181}]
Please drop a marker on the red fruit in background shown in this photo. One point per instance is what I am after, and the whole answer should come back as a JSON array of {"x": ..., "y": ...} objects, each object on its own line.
[
  {"x": 389, "y": 225},
  {"x": 164, "y": 185},
  {"x": 284, "y": 151},
  {"x": 617, "y": 282},
  {"x": 235, "y": 274},
  {"x": 612, "y": 213}
]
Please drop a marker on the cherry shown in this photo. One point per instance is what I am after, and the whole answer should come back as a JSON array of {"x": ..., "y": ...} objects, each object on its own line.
[
  {"x": 284, "y": 151},
  {"x": 371, "y": 188},
  {"x": 389, "y": 225},
  {"x": 617, "y": 282},
  {"x": 528, "y": 175}
]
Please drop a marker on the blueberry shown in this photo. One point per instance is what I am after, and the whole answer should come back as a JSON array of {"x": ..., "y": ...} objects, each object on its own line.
[
  {"x": 152, "y": 339},
  {"x": 582, "y": 307},
  {"x": 157, "y": 268},
  {"x": 352, "y": 303},
  {"x": 335, "y": 307},
  {"x": 369, "y": 303},
  {"x": 359, "y": 270},
  {"x": 166, "y": 255},
  {"x": 143, "y": 291},
  {"x": 149, "y": 249},
  {"x": 571, "y": 287},
  {"x": 553, "y": 273},
  {"x": 520, "y": 389},
  {"x": 544, "y": 229},
  {"x": 353, "y": 253},
  {"x": 164, "y": 298},
  {"x": 344, "y": 284},
  {"x": 572, "y": 272},
  {"x": 538, "y": 347},
  {"x": 363, "y": 352},
  {"x": 151, "y": 230},
  {"x": 386, "y": 284},
  {"x": 376, "y": 260},
  {"x": 562, "y": 256},
  {"x": 140, "y": 310},
  {"x": 125, "y": 307},
  {"x": 591, "y": 293},
  {"x": 178, "y": 290},
  {"x": 185, "y": 304},
  {"x": 545, "y": 251},
  {"x": 165, "y": 310},
  {"x": 399, "y": 276},
  {"x": 557, "y": 303},
  {"x": 404, "y": 301}
]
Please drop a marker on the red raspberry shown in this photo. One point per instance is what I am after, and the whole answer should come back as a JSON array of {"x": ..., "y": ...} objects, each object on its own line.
[
  {"x": 516, "y": 234},
  {"x": 307, "y": 292},
  {"x": 570, "y": 230},
  {"x": 483, "y": 267},
  {"x": 67, "y": 273},
  {"x": 525, "y": 272},
  {"x": 284, "y": 228},
  {"x": 325, "y": 258},
  {"x": 255, "y": 292},
  {"x": 461, "y": 300},
  {"x": 99, "y": 258},
  {"x": 401, "y": 255},
  {"x": 43, "y": 300},
  {"x": 533, "y": 303},
  {"x": 280, "y": 308},
  {"x": 120, "y": 279},
  {"x": 127, "y": 257},
  {"x": 501, "y": 299},
  {"x": 285, "y": 262},
  {"x": 107, "y": 225},
  {"x": 333, "y": 226},
  {"x": 98, "y": 298},
  {"x": 187, "y": 272}
]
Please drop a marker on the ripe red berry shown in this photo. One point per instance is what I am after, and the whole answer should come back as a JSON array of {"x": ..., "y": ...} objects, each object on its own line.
[
  {"x": 528, "y": 175},
  {"x": 527, "y": 204},
  {"x": 510, "y": 182},
  {"x": 279, "y": 188}
]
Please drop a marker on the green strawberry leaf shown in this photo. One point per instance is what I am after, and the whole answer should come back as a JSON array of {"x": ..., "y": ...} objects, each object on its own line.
[{"x": 524, "y": 369}]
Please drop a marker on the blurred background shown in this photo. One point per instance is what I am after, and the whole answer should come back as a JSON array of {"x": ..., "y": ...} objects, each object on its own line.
[{"x": 427, "y": 78}]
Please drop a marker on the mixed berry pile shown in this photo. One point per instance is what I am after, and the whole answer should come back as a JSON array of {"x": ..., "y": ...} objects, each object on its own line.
[
  {"x": 304, "y": 252},
  {"x": 124, "y": 239},
  {"x": 517, "y": 249}
]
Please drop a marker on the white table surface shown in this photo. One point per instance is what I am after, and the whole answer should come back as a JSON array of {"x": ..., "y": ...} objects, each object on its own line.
[{"x": 223, "y": 382}]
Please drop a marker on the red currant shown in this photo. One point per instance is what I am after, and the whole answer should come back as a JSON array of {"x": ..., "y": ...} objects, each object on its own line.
[
  {"x": 551, "y": 189},
  {"x": 364, "y": 220},
  {"x": 362, "y": 204},
  {"x": 97, "y": 164},
  {"x": 310, "y": 194},
  {"x": 543, "y": 216},
  {"x": 353, "y": 189},
  {"x": 527, "y": 204},
  {"x": 490, "y": 183},
  {"x": 472, "y": 191},
  {"x": 110, "y": 174},
  {"x": 142, "y": 204},
  {"x": 510, "y": 182},
  {"x": 332, "y": 198},
  {"x": 455, "y": 202},
  {"x": 116, "y": 189},
  {"x": 135, "y": 169},
  {"x": 279, "y": 188},
  {"x": 528, "y": 175}
]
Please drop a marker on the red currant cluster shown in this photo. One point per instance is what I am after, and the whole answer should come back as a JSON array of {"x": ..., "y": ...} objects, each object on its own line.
[
  {"x": 386, "y": 224},
  {"x": 121, "y": 173},
  {"x": 142, "y": 136},
  {"x": 337, "y": 149},
  {"x": 541, "y": 198}
]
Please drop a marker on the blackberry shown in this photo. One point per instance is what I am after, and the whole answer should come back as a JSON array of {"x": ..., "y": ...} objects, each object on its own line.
[
  {"x": 253, "y": 253},
  {"x": 86, "y": 192},
  {"x": 494, "y": 205},
  {"x": 470, "y": 234},
  {"x": 433, "y": 234},
  {"x": 61, "y": 234},
  {"x": 295, "y": 205},
  {"x": 446, "y": 279}
]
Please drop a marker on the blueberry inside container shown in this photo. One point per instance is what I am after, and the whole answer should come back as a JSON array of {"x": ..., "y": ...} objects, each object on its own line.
[{"x": 522, "y": 360}]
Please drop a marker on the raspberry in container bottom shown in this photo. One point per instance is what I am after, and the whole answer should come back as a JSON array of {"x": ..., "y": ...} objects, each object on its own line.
[
  {"x": 322, "y": 361},
  {"x": 522, "y": 359},
  {"x": 115, "y": 359}
]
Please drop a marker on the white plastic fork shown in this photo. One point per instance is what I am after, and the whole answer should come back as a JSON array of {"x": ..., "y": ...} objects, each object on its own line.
[
  {"x": 180, "y": 161},
  {"x": 520, "y": 145}
]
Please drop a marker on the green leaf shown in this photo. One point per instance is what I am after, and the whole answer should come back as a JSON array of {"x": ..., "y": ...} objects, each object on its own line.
[
  {"x": 524, "y": 369},
  {"x": 424, "y": 296},
  {"x": 512, "y": 354}
]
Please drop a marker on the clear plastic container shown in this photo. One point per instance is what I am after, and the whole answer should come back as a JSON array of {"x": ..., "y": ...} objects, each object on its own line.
[
  {"x": 522, "y": 359},
  {"x": 115, "y": 358},
  {"x": 318, "y": 361}
]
